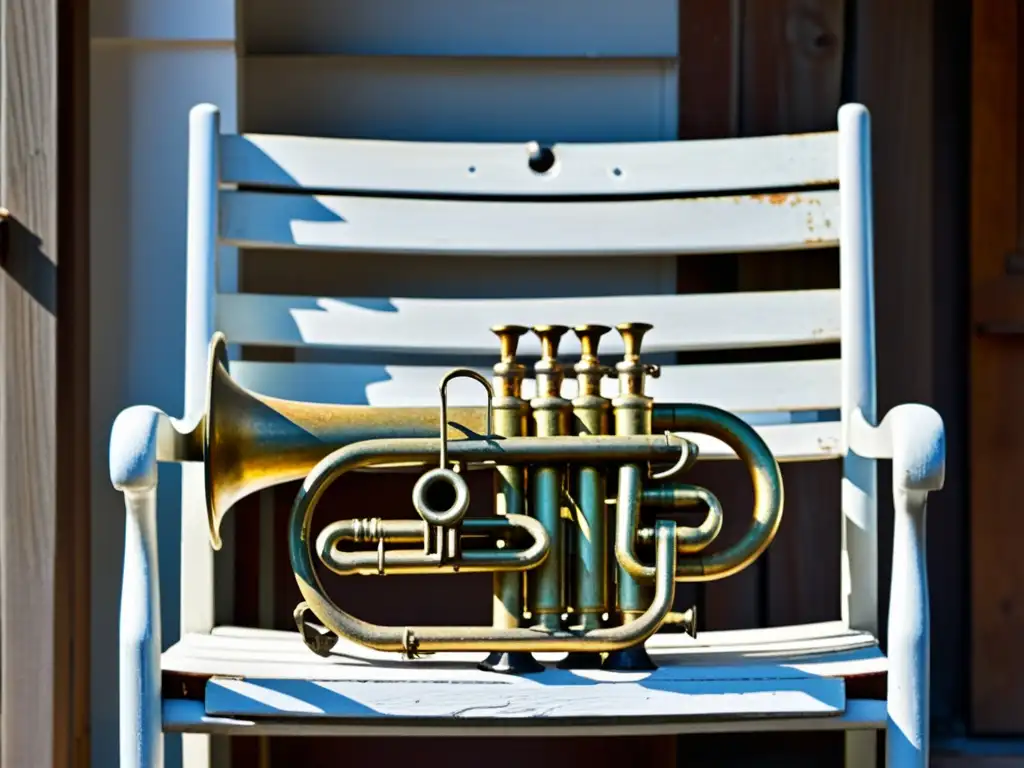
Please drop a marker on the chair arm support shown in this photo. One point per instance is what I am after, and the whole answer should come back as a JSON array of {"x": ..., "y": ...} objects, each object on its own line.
[
  {"x": 140, "y": 437},
  {"x": 913, "y": 437}
]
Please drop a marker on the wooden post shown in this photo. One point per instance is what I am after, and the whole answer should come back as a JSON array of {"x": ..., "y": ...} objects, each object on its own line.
[
  {"x": 44, "y": 370},
  {"x": 997, "y": 371}
]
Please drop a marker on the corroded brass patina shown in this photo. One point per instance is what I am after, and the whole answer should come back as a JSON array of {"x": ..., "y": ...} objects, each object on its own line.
[{"x": 582, "y": 546}]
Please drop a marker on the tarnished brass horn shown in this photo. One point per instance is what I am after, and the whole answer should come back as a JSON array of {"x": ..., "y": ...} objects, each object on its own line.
[
  {"x": 250, "y": 441},
  {"x": 574, "y": 570}
]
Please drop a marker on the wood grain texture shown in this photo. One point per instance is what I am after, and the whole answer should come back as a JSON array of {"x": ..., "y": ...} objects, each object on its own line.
[
  {"x": 997, "y": 368},
  {"x": 893, "y": 77},
  {"x": 788, "y": 67},
  {"x": 36, "y": 696},
  {"x": 73, "y": 612},
  {"x": 792, "y": 64},
  {"x": 949, "y": 512},
  {"x": 708, "y": 100}
]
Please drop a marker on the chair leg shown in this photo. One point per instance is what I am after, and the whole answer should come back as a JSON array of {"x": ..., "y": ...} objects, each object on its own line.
[
  {"x": 140, "y": 706},
  {"x": 908, "y": 647}
]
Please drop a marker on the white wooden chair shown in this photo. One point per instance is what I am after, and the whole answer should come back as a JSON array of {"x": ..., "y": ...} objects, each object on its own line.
[{"x": 264, "y": 682}]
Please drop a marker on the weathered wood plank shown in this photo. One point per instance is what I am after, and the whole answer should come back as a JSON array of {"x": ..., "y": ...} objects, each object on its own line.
[
  {"x": 714, "y": 165},
  {"x": 758, "y": 222},
  {"x": 38, "y": 698},
  {"x": 825, "y": 649},
  {"x": 949, "y": 512},
  {"x": 401, "y": 325},
  {"x": 73, "y": 615},
  {"x": 708, "y": 98},
  {"x": 997, "y": 370},
  {"x": 791, "y": 78},
  {"x": 614, "y": 746},
  {"x": 747, "y": 698},
  {"x": 527, "y": 29},
  {"x": 783, "y": 388},
  {"x": 431, "y": 99}
]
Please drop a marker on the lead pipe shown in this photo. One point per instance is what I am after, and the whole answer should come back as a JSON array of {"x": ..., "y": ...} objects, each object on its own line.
[
  {"x": 628, "y": 532},
  {"x": 765, "y": 476},
  {"x": 517, "y": 451},
  {"x": 406, "y": 561}
]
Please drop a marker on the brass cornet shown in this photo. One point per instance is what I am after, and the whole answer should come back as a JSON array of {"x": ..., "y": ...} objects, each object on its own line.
[{"x": 584, "y": 554}]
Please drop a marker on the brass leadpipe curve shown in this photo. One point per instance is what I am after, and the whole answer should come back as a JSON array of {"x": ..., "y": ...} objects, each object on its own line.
[{"x": 507, "y": 451}]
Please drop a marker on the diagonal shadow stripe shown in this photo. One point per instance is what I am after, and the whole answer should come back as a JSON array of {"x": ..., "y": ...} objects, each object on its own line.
[{"x": 23, "y": 259}]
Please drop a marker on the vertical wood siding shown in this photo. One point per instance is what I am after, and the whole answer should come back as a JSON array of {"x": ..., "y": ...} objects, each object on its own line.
[{"x": 997, "y": 370}]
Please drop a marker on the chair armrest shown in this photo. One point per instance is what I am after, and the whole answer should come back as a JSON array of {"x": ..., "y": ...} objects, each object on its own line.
[
  {"x": 139, "y": 438},
  {"x": 913, "y": 437}
]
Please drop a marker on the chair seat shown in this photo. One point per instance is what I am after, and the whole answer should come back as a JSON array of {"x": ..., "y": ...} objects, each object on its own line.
[{"x": 246, "y": 680}]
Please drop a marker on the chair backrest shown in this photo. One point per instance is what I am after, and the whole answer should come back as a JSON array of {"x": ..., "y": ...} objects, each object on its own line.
[{"x": 288, "y": 193}]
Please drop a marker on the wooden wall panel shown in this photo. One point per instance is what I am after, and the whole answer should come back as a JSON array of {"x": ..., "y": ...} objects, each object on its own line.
[
  {"x": 756, "y": 68},
  {"x": 456, "y": 28},
  {"x": 791, "y": 82},
  {"x": 997, "y": 373},
  {"x": 44, "y": 389},
  {"x": 708, "y": 92},
  {"x": 428, "y": 98}
]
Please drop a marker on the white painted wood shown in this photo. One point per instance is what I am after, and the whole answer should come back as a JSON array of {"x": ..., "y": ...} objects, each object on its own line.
[
  {"x": 913, "y": 436},
  {"x": 196, "y": 555},
  {"x": 201, "y": 250},
  {"x": 133, "y": 471},
  {"x": 492, "y": 228},
  {"x": 907, "y": 732},
  {"x": 525, "y": 699},
  {"x": 181, "y": 23},
  {"x": 811, "y": 637},
  {"x": 654, "y": 167},
  {"x": 786, "y": 386},
  {"x": 255, "y": 653},
  {"x": 463, "y": 28},
  {"x": 431, "y": 99},
  {"x": 461, "y": 326},
  {"x": 859, "y": 493},
  {"x": 197, "y": 573},
  {"x": 190, "y": 716}
]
